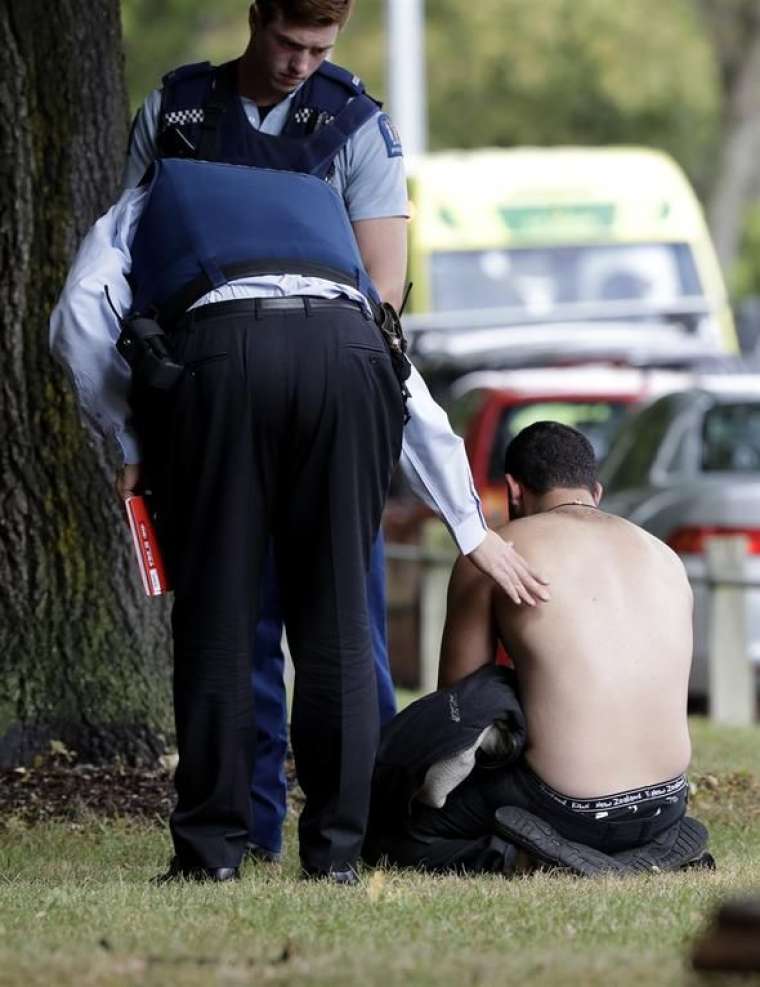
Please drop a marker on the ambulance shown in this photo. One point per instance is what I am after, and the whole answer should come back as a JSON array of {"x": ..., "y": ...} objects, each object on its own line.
[{"x": 564, "y": 237}]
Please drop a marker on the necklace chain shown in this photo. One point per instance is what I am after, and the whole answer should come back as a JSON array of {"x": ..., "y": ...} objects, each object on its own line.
[{"x": 571, "y": 503}]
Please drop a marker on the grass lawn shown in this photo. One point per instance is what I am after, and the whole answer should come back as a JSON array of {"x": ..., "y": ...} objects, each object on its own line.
[{"x": 76, "y": 908}]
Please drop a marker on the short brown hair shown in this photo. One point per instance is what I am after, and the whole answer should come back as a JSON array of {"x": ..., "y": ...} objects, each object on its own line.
[{"x": 314, "y": 13}]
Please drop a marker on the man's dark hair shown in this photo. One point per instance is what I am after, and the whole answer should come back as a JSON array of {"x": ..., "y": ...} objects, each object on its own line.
[
  {"x": 313, "y": 13},
  {"x": 547, "y": 455}
]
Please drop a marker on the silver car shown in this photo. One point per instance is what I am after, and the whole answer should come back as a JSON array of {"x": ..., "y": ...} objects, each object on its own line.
[{"x": 686, "y": 467}]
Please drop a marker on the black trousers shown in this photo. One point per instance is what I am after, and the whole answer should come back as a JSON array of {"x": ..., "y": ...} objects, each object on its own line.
[
  {"x": 461, "y": 836},
  {"x": 286, "y": 423}
]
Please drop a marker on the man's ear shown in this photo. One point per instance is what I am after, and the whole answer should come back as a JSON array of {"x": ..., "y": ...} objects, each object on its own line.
[
  {"x": 253, "y": 17},
  {"x": 514, "y": 488},
  {"x": 597, "y": 492}
]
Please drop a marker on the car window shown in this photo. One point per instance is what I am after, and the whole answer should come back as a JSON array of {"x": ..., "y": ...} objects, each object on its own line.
[
  {"x": 597, "y": 420},
  {"x": 731, "y": 438},
  {"x": 637, "y": 445},
  {"x": 537, "y": 279},
  {"x": 680, "y": 451}
]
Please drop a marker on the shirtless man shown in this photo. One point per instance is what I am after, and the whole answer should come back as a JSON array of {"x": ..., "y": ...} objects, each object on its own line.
[{"x": 602, "y": 670}]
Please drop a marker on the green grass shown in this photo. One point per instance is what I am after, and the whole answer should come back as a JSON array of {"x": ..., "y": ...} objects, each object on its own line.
[
  {"x": 76, "y": 908},
  {"x": 406, "y": 696}
]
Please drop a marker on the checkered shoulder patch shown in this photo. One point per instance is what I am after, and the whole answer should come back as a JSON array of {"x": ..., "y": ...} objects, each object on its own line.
[
  {"x": 178, "y": 118},
  {"x": 303, "y": 115}
]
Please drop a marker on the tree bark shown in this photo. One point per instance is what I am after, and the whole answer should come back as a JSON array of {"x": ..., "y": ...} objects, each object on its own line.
[{"x": 83, "y": 655}]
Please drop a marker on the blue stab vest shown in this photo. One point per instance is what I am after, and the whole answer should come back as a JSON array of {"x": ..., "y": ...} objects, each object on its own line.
[
  {"x": 207, "y": 223},
  {"x": 202, "y": 117}
]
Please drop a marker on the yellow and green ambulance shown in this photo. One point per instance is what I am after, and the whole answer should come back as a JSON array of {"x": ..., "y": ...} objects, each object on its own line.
[{"x": 541, "y": 235}]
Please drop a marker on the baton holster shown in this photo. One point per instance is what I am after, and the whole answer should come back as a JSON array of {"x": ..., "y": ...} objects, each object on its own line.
[
  {"x": 143, "y": 344},
  {"x": 389, "y": 323}
]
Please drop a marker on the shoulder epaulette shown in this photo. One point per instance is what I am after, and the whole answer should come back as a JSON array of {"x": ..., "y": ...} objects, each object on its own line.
[
  {"x": 187, "y": 72},
  {"x": 338, "y": 74}
]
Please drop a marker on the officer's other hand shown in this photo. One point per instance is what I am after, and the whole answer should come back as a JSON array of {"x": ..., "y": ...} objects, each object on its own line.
[
  {"x": 503, "y": 563},
  {"x": 128, "y": 480}
]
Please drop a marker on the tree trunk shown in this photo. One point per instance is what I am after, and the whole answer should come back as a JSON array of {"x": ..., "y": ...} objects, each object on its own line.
[{"x": 84, "y": 656}]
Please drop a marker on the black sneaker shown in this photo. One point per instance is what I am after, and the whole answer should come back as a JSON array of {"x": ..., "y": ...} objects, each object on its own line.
[{"x": 705, "y": 861}]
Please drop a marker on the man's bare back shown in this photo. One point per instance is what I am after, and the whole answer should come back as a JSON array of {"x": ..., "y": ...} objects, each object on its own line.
[
  {"x": 603, "y": 667},
  {"x": 602, "y": 673}
]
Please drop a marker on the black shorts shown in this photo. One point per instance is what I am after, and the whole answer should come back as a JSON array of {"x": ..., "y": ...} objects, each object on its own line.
[
  {"x": 611, "y": 823},
  {"x": 619, "y": 821}
]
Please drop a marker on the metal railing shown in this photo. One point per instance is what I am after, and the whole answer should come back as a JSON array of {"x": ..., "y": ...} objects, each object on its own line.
[
  {"x": 436, "y": 556},
  {"x": 731, "y": 675}
]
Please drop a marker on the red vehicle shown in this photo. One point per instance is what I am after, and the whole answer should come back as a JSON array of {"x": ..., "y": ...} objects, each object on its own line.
[{"x": 489, "y": 408}]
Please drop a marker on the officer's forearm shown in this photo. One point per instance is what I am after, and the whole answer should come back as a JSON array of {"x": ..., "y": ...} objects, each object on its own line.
[{"x": 382, "y": 243}]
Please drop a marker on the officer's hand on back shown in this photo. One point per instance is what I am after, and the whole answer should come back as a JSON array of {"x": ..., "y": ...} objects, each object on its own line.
[{"x": 509, "y": 570}]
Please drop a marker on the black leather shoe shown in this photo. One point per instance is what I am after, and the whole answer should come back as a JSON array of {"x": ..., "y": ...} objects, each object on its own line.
[
  {"x": 178, "y": 872},
  {"x": 347, "y": 876},
  {"x": 260, "y": 855}
]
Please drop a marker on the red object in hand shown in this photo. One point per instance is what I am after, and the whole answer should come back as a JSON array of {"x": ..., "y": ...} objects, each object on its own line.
[{"x": 147, "y": 550}]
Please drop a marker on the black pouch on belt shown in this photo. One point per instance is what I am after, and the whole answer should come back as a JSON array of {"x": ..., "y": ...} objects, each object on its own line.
[
  {"x": 389, "y": 322},
  {"x": 143, "y": 344}
]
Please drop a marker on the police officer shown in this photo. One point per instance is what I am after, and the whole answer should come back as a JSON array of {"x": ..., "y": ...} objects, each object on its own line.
[
  {"x": 262, "y": 109},
  {"x": 287, "y": 418}
]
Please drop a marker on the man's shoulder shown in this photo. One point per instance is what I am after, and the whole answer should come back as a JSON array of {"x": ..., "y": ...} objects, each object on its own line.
[
  {"x": 344, "y": 78},
  {"x": 518, "y": 527},
  {"x": 467, "y": 578},
  {"x": 537, "y": 531},
  {"x": 341, "y": 76}
]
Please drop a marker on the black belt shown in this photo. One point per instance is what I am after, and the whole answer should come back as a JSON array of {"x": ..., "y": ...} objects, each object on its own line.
[{"x": 262, "y": 306}]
